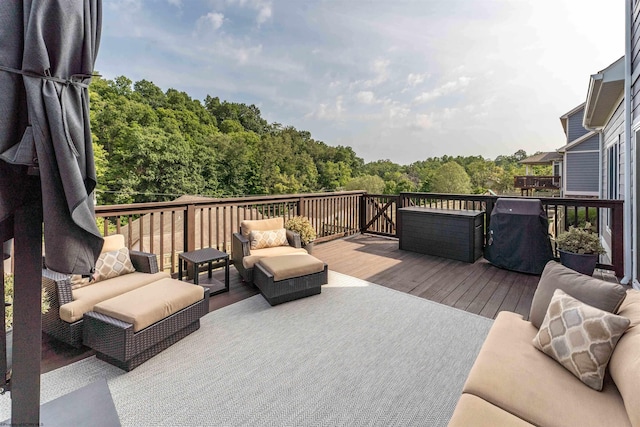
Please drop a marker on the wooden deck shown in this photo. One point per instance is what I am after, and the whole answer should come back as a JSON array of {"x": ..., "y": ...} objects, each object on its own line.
[{"x": 478, "y": 288}]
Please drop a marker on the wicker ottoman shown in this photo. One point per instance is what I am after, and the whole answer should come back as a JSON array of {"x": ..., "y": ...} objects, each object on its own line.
[
  {"x": 129, "y": 329},
  {"x": 289, "y": 277}
]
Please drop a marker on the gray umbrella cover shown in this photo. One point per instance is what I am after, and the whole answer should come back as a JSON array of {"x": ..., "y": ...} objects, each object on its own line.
[{"x": 47, "y": 54}]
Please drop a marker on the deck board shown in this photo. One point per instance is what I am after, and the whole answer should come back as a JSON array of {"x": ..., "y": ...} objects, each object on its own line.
[{"x": 478, "y": 287}]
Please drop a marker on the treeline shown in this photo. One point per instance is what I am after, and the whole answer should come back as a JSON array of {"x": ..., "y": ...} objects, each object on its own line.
[{"x": 152, "y": 145}]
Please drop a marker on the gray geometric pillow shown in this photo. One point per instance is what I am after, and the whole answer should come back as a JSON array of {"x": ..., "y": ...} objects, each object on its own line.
[
  {"x": 580, "y": 337},
  {"x": 113, "y": 264}
]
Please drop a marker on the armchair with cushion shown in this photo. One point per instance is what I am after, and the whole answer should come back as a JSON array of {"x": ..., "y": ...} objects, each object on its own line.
[
  {"x": 259, "y": 239},
  {"x": 71, "y": 297}
]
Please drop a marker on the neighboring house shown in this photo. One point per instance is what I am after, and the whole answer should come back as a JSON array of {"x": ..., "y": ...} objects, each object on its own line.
[
  {"x": 580, "y": 157},
  {"x": 530, "y": 183}
]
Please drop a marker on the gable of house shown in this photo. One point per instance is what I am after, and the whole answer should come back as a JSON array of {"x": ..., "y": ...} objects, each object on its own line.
[{"x": 581, "y": 166}]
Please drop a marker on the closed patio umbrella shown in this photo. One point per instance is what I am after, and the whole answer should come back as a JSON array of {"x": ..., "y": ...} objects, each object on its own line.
[
  {"x": 47, "y": 172},
  {"x": 48, "y": 49}
]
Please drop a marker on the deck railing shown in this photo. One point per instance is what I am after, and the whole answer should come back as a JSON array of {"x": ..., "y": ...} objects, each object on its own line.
[
  {"x": 537, "y": 182},
  {"x": 562, "y": 213},
  {"x": 168, "y": 228}
]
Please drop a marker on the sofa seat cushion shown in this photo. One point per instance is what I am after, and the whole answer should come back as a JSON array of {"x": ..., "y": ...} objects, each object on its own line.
[
  {"x": 258, "y": 254},
  {"x": 144, "y": 306},
  {"x": 85, "y": 298},
  {"x": 473, "y": 411},
  {"x": 512, "y": 374},
  {"x": 624, "y": 365},
  {"x": 290, "y": 266}
]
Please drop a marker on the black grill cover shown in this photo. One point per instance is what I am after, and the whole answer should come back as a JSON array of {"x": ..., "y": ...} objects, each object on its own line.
[{"x": 518, "y": 236}]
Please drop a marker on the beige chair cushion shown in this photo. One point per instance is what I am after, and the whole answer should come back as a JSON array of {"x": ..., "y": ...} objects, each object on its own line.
[
  {"x": 249, "y": 225},
  {"x": 595, "y": 292},
  {"x": 580, "y": 337},
  {"x": 85, "y": 298},
  {"x": 149, "y": 304},
  {"x": 289, "y": 266},
  {"x": 113, "y": 243},
  {"x": 476, "y": 412},
  {"x": 258, "y": 254},
  {"x": 625, "y": 361},
  {"x": 267, "y": 239},
  {"x": 512, "y": 374}
]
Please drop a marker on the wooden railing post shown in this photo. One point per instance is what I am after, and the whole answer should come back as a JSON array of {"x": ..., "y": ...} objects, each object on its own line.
[
  {"x": 362, "y": 217},
  {"x": 190, "y": 229},
  {"x": 300, "y": 207},
  {"x": 617, "y": 239}
]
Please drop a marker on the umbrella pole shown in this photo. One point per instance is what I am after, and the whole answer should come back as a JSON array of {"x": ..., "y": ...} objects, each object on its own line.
[{"x": 27, "y": 320}]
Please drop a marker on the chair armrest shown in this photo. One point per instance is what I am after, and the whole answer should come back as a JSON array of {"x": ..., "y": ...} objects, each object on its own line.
[
  {"x": 293, "y": 238},
  {"x": 144, "y": 262},
  {"x": 58, "y": 287},
  {"x": 239, "y": 247}
]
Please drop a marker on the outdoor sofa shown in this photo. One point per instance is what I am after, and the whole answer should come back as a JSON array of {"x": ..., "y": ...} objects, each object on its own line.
[
  {"x": 72, "y": 297},
  {"x": 513, "y": 383},
  {"x": 262, "y": 238}
]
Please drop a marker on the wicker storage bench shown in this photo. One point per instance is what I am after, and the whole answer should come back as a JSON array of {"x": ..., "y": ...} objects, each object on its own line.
[
  {"x": 129, "y": 329},
  {"x": 289, "y": 277}
]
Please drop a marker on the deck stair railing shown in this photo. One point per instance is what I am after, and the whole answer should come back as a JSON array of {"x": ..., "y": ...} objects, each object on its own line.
[{"x": 168, "y": 228}]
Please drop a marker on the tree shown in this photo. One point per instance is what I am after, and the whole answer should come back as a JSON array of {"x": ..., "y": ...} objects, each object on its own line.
[
  {"x": 372, "y": 184},
  {"x": 451, "y": 178}
]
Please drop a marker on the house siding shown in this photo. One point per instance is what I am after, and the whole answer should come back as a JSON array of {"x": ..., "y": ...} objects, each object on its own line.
[
  {"x": 613, "y": 133},
  {"x": 591, "y": 144},
  {"x": 580, "y": 176},
  {"x": 574, "y": 126},
  {"x": 635, "y": 112}
]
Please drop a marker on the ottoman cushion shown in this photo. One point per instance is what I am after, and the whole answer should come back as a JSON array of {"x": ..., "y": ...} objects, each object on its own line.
[
  {"x": 290, "y": 266},
  {"x": 149, "y": 304}
]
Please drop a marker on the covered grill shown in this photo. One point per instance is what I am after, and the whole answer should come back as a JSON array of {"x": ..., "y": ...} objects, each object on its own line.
[{"x": 518, "y": 236}]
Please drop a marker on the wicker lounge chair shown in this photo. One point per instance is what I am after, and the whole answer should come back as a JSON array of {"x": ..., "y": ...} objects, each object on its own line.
[{"x": 244, "y": 258}]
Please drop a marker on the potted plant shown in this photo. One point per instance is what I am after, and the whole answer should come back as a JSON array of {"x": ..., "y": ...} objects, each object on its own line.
[
  {"x": 579, "y": 249},
  {"x": 304, "y": 228}
]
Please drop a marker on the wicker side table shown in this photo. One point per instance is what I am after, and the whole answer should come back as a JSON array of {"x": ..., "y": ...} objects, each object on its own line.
[{"x": 213, "y": 257}]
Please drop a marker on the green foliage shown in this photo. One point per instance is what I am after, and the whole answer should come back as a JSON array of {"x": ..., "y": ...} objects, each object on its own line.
[
  {"x": 370, "y": 183},
  {"x": 451, "y": 178},
  {"x": 303, "y": 227},
  {"x": 580, "y": 240},
  {"x": 8, "y": 298},
  {"x": 155, "y": 145}
]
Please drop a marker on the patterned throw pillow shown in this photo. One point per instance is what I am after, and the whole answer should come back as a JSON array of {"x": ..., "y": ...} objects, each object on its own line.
[
  {"x": 268, "y": 239},
  {"x": 580, "y": 337},
  {"x": 113, "y": 264}
]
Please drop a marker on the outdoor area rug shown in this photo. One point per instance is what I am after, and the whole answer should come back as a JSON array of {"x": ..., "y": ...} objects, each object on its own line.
[{"x": 357, "y": 354}]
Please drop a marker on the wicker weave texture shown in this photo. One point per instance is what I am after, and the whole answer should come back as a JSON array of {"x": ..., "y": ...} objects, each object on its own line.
[
  {"x": 117, "y": 340},
  {"x": 289, "y": 289},
  {"x": 58, "y": 287}
]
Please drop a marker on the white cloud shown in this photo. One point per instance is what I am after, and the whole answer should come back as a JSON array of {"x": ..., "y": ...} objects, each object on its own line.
[
  {"x": 380, "y": 68},
  {"x": 329, "y": 112},
  {"x": 366, "y": 97},
  {"x": 212, "y": 21},
  {"x": 415, "y": 79},
  {"x": 450, "y": 87},
  {"x": 263, "y": 7},
  {"x": 176, "y": 3}
]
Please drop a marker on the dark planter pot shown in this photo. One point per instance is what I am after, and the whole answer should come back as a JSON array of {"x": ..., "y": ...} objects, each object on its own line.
[
  {"x": 308, "y": 247},
  {"x": 582, "y": 263}
]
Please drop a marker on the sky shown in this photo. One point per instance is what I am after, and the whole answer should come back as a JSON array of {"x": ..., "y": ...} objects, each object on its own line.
[{"x": 402, "y": 80}]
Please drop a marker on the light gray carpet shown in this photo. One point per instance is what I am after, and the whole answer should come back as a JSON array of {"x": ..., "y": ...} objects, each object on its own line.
[{"x": 357, "y": 354}]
